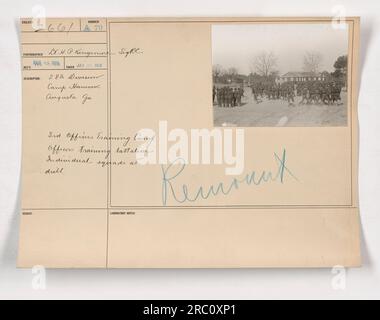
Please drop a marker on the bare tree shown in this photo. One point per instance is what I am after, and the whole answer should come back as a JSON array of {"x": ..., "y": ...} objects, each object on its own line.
[
  {"x": 264, "y": 63},
  {"x": 232, "y": 71},
  {"x": 312, "y": 61},
  {"x": 217, "y": 71}
]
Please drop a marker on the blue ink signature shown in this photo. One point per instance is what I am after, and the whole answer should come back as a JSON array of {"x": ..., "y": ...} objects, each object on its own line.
[{"x": 221, "y": 188}]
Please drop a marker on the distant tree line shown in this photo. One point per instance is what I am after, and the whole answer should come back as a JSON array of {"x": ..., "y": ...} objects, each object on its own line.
[{"x": 264, "y": 69}]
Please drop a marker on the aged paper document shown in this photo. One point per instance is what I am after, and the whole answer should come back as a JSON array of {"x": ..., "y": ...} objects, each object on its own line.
[{"x": 189, "y": 143}]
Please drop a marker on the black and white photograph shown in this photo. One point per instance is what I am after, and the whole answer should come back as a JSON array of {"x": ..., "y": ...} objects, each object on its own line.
[{"x": 280, "y": 75}]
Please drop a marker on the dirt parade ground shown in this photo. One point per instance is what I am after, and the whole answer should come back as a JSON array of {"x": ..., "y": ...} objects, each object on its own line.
[{"x": 278, "y": 113}]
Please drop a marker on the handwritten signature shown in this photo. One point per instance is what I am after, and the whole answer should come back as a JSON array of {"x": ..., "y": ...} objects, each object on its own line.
[
  {"x": 129, "y": 52},
  {"x": 171, "y": 172}
]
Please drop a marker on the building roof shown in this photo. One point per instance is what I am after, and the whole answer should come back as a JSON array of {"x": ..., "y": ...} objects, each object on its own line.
[{"x": 300, "y": 74}]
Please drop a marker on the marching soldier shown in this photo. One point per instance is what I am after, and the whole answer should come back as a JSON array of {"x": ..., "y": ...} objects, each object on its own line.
[
  {"x": 219, "y": 97},
  {"x": 291, "y": 96},
  {"x": 229, "y": 97},
  {"x": 241, "y": 95}
]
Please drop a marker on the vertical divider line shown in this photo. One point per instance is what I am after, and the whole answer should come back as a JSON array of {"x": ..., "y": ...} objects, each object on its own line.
[{"x": 109, "y": 135}]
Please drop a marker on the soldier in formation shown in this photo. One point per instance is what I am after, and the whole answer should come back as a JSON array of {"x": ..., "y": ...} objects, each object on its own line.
[
  {"x": 310, "y": 92},
  {"x": 228, "y": 97}
]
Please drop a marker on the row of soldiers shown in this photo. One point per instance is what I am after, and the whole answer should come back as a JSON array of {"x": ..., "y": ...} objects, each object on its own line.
[
  {"x": 227, "y": 97},
  {"x": 326, "y": 92},
  {"x": 274, "y": 92},
  {"x": 312, "y": 92}
]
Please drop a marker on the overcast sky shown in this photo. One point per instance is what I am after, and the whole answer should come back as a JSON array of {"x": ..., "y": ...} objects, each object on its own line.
[{"x": 237, "y": 45}]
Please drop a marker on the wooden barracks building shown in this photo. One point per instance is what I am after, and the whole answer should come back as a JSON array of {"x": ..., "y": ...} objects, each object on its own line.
[{"x": 300, "y": 77}]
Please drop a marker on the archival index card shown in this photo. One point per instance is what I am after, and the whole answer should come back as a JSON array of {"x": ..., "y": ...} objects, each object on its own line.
[{"x": 189, "y": 143}]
